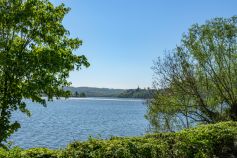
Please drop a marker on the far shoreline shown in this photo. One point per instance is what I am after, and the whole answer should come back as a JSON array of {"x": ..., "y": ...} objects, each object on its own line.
[{"x": 107, "y": 98}]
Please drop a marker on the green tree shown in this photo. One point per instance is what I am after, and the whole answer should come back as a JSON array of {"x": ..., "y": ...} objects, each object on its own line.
[
  {"x": 82, "y": 95},
  {"x": 196, "y": 82},
  {"x": 76, "y": 94},
  {"x": 36, "y": 56}
]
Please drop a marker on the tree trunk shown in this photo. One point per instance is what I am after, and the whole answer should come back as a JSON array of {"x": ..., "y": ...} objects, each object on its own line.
[
  {"x": 233, "y": 112},
  {"x": 3, "y": 125}
]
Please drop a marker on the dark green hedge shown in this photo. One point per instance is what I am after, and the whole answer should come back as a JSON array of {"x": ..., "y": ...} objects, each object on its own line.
[{"x": 215, "y": 140}]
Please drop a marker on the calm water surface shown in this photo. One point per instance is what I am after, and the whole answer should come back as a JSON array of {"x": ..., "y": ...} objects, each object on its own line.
[{"x": 64, "y": 121}]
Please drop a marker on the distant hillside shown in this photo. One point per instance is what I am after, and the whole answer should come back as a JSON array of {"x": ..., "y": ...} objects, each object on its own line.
[
  {"x": 107, "y": 92},
  {"x": 96, "y": 92}
]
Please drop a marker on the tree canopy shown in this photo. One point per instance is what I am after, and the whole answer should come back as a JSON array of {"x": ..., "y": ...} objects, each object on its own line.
[
  {"x": 196, "y": 82},
  {"x": 36, "y": 56}
]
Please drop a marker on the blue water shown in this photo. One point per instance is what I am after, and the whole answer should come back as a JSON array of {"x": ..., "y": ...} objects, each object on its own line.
[{"x": 64, "y": 121}]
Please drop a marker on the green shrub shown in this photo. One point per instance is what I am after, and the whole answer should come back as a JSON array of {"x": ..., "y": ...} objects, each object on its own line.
[
  {"x": 205, "y": 141},
  {"x": 39, "y": 153},
  {"x": 13, "y": 153}
]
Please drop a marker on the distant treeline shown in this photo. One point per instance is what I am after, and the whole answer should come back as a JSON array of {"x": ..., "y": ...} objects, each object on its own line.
[
  {"x": 107, "y": 92},
  {"x": 137, "y": 93}
]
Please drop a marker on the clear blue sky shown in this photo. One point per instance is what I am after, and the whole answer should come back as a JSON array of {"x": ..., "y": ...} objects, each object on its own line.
[{"x": 121, "y": 38}]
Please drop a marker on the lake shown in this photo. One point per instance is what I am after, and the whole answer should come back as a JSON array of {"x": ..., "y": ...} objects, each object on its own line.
[{"x": 64, "y": 121}]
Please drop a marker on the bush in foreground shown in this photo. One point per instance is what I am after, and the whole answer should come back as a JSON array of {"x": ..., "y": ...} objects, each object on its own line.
[{"x": 214, "y": 140}]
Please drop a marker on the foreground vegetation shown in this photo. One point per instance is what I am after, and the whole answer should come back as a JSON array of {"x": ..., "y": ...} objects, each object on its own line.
[
  {"x": 213, "y": 140},
  {"x": 36, "y": 57}
]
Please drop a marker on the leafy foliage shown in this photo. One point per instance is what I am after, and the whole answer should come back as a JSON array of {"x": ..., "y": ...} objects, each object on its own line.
[
  {"x": 196, "y": 82},
  {"x": 206, "y": 141},
  {"x": 36, "y": 56}
]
